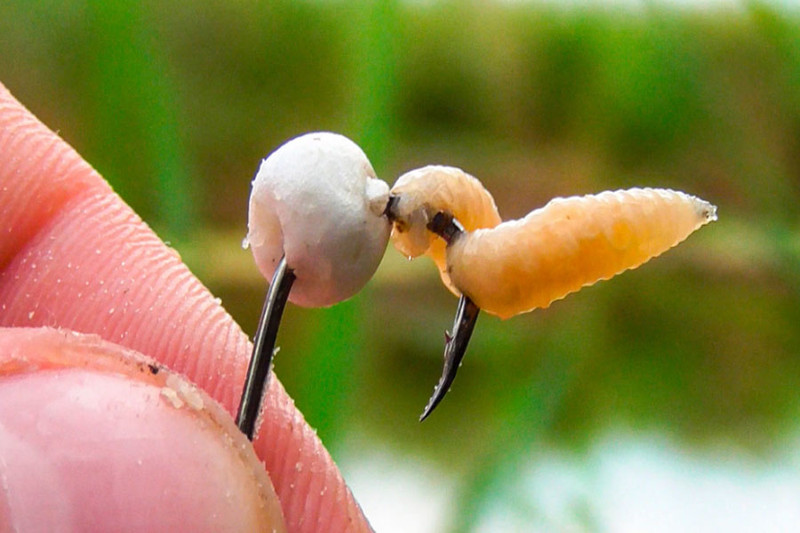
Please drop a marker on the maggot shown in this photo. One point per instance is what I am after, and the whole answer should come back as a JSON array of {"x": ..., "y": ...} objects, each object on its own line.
[
  {"x": 570, "y": 243},
  {"x": 517, "y": 266},
  {"x": 417, "y": 196}
]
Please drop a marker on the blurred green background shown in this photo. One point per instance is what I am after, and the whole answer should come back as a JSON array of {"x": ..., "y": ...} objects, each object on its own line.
[{"x": 692, "y": 361}]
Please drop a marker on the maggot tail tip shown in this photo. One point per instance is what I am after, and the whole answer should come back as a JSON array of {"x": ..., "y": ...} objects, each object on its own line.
[
  {"x": 706, "y": 210},
  {"x": 711, "y": 212}
]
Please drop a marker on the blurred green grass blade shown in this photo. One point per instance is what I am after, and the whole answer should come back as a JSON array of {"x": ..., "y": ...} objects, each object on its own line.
[
  {"x": 327, "y": 379},
  {"x": 374, "y": 55},
  {"x": 337, "y": 350},
  {"x": 134, "y": 107},
  {"x": 524, "y": 421}
]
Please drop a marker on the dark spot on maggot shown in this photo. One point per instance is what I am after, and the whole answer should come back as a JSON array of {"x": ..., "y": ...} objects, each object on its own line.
[{"x": 153, "y": 368}]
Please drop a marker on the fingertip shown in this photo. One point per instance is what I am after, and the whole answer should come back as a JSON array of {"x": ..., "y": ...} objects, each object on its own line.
[
  {"x": 93, "y": 436},
  {"x": 311, "y": 488}
]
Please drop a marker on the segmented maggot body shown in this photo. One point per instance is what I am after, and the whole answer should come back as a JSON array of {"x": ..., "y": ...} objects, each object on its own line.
[
  {"x": 422, "y": 193},
  {"x": 570, "y": 243}
]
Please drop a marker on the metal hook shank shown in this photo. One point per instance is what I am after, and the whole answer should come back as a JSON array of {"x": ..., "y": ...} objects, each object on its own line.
[{"x": 255, "y": 383}]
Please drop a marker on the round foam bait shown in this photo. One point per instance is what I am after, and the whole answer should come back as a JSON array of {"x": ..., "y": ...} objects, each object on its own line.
[
  {"x": 318, "y": 231},
  {"x": 317, "y": 201}
]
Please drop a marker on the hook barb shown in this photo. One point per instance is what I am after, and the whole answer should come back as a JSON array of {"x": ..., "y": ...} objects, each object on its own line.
[
  {"x": 256, "y": 381},
  {"x": 454, "y": 349}
]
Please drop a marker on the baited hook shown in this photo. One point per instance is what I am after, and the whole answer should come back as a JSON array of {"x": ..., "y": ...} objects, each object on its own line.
[{"x": 317, "y": 230}]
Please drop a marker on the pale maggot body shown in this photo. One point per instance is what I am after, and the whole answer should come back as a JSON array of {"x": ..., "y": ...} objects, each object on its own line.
[
  {"x": 419, "y": 194},
  {"x": 570, "y": 243},
  {"x": 517, "y": 266}
]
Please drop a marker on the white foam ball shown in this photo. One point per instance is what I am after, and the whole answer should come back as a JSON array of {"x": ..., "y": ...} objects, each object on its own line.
[{"x": 317, "y": 200}]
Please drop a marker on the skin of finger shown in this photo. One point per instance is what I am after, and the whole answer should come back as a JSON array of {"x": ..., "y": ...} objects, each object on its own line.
[
  {"x": 96, "y": 437},
  {"x": 81, "y": 259}
]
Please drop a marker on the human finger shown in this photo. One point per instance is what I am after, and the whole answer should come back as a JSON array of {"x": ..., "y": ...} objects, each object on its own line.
[
  {"x": 78, "y": 257},
  {"x": 96, "y": 437}
]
